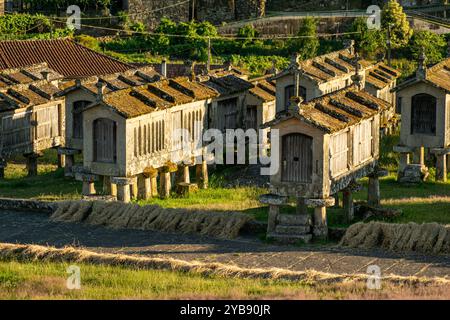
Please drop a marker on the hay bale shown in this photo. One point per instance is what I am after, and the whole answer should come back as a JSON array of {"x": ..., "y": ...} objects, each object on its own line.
[
  {"x": 119, "y": 215},
  {"x": 425, "y": 238}
]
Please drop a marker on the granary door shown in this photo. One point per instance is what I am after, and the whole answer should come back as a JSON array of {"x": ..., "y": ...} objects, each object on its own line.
[
  {"x": 251, "y": 121},
  {"x": 296, "y": 158},
  {"x": 105, "y": 140}
]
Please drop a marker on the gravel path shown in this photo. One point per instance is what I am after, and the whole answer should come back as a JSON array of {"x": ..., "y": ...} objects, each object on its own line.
[{"x": 36, "y": 228}]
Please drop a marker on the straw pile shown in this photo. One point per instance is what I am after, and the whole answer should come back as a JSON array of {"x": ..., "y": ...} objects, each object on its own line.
[
  {"x": 27, "y": 253},
  {"x": 425, "y": 238},
  {"x": 131, "y": 216}
]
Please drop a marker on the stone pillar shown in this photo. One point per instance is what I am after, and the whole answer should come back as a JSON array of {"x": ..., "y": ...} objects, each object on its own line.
[
  {"x": 144, "y": 187},
  {"x": 88, "y": 183},
  {"x": 349, "y": 208},
  {"x": 61, "y": 160},
  {"x": 441, "y": 167},
  {"x": 202, "y": 175},
  {"x": 404, "y": 161},
  {"x": 320, "y": 227},
  {"x": 154, "y": 185},
  {"x": 302, "y": 208},
  {"x": 419, "y": 155},
  {"x": 183, "y": 174},
  {"x": 123, "y": 187},
  {"x": 2, "y": 168},
  {"x": 32, "y": 163},
  {"x": 373, "y": 192},
  {"x": 274, "y": 211},
  {"x": 106, "y": 188},
  {"x": 165, "y": 184},
  {"x": 134, "y": 190},
  {"x": 69, "y": 159}
]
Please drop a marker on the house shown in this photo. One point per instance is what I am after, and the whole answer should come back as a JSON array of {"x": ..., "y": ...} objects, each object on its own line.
[
  {"x": 64, "y": 55},
  {"x": 80, "y": 93},
  {"x": 331, "y": 72},
  {"x": 425, "y": 109},
  {"x": 31, "y": 114},
  {"x": 129, "y": 137},
  {"x": 326, "y": 144}
]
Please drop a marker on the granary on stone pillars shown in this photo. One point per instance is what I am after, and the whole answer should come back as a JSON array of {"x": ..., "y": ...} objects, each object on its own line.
[
  {"x": 326, "y": 144},
  {"x": 332, "y": 72},
  {"x": 425, "y": 110},
  {"x": 80, "y": 93},
  {"x": 129, "y": 138},
  {"x": 226, "y": 111},
  {"x": 31, "y": 114}
]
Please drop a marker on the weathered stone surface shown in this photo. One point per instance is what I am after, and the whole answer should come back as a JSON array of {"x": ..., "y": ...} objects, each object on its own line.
[
  {"x": 68, "y": 151},
  {"x": 292, "y": 230},
  {"x": 327, "y": 202},
  {"x": 294, "y": 219},
  {"x": 120, "y": 181},
  {"x": 273, "y": 199},
  {"x": 290, "y": 238},
  {"x": 86, "y": 177},
  {"x": 184, "y": 188},
  {"x": 27, "y": 205},
  {"x": 413, "y": 174},
  {"x": 99, "y": 198},
  {"x": 365, "y": 211},
  {"x": 403, "y": 149}
]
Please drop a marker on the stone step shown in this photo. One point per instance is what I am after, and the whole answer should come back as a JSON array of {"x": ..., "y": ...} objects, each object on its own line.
[
  {"x": 294, "y": 219},
  {"x": 290, "y": 239},
  {"x": 292, "y": 230}
]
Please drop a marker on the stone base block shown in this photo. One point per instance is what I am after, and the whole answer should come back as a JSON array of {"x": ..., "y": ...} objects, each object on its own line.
[
  {"x": 413, "y": 174},
  {"x": 294, "y": 219},
  {"x": 292, "y": 230},
  {"x": 184, "y": 188},
  {"x": 290, "y": 239},
  {"x": 273, "y": 199}
]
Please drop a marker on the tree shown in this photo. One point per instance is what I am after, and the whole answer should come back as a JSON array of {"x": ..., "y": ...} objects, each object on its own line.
[
  {"x": 434, "y": 46},
  {"x": 370, "y": 42},
  {"x": 307, "y": 45},
  {"x": 394, "y": 17},
  {"x": 249, "y": 33}
]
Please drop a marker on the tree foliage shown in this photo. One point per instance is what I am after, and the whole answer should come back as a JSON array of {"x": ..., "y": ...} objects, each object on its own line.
[
  {"x": 369, "y": 42},
  {"x": 394, "y": 17},
  {"x": 434, "y": 46},
  {"x": 308, "y": 44}
]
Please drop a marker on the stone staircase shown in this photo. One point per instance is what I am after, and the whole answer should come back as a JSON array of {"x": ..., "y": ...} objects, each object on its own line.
[{"x": 292, "y": 228}]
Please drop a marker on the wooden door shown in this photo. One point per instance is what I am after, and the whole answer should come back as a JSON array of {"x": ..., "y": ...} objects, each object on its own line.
[
  {"x": 251, "y": 118},
  {"x": 297, "y": 158},
  {"x": 105, "y": 141}
]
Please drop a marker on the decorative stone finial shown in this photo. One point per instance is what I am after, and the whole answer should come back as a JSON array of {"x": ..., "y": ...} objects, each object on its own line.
[
  {"x": 295, "y": 104},
  {"x": 357, "y": 78},
  {"x": 101, "y": 87},
  {"x": 350, "y": 46},
  {"x": 421, "y": 72}
]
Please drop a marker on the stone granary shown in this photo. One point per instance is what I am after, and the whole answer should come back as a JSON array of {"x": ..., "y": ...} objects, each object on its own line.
[
  {"x": 31, "y": 114},
  {"x": 331, "y": 72},
  {"x": 326, "y": 144},
  {"x": 129, "y": 138},
  {"x": 425, "y": 109},
  {"x": 80, "y": 93}
]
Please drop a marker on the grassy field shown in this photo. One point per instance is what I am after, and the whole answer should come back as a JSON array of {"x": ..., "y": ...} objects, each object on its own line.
[
  {"x": 34, "y": 280},
  {"x": 415, "y": 202}
]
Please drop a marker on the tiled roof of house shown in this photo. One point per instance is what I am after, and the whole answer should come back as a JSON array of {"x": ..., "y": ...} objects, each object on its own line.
[
  {"x": 174, "y": 70},
  {"x": 133, "y": 102},
  {"x": 437, "y": 75},
  {"x": 114, "y": 82},
  {"x": 380, "y": 75},
  {"x": 65, "y": 56},
  {"x": 26, "y": 95},
  {"x": 336, "y": 111},
  {"x": 264, "y": 89},
  {"x": 328, "y": 67},
  {"x": 229, "y": 84},
  {"x": 28, "y": 74}
]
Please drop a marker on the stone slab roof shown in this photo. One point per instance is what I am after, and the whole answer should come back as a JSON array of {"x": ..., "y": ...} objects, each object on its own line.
[
  {"x": 336, "y": 111},
  {"x": 264, "y": 89},
  {"x": 27, "y": 95},
  {"x": 328, "y": 67},
  {"x": 137, "y": 101},
  {"x": 437, "y": 75},
  {"x": 380, "y": 75},
  {"x": 65, "y": 56},
  {"x": 114, "y": 82},
  {"x": 28, "y": 74},
  {"x": 227, "y": 85}
]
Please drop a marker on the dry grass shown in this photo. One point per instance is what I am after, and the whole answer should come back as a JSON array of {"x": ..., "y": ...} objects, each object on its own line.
[
  {"x": 30, "y": 253},
  {"x": 425, "y": 238},
  {"x": 152, "y": 217}
]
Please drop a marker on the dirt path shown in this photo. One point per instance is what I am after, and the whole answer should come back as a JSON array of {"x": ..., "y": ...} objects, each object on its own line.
[{"x": 36, "y": 228}]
